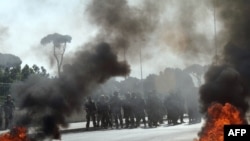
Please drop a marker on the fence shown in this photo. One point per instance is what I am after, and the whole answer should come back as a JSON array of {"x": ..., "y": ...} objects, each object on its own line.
[{"x": 4, "y": 91}]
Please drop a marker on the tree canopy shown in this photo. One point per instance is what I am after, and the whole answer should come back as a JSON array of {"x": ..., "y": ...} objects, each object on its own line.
[{"x": 8, "y": 75}]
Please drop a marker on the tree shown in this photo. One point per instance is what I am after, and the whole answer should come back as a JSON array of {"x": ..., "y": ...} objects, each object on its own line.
[
  {"x": 36, "y": 69},
  {"x": 6, "y": 76},
  {"x": 59, "y": 41},
  {"x": 44, "y": 72},
  {"x": 26, "y": 71},
  {"x": 9, "y": 75},
  {"x": 15, "y": 73}
]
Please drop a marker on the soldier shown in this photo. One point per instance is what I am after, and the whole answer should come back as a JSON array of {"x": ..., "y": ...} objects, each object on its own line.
[
  {"x": 153, "y": 109},
  {"x": 172, "y": 105},
  {"x": 167, "y": 106},
  {"x": 8, "y": 108},
  {"x": 181, "y": 106},
  {"x": 99, "y": 112},
  {"x": 107, "y": 99},
  {"x": 129, "y": 119},
  {"x": 194, "y": 115},
  {"x": 103, "y": 109},
  {"x": 133, "y": 101},
  {"x": 140, "y": 107},
  {"x": 90, "y": 109},
  {"x": 116, "y": 109}
]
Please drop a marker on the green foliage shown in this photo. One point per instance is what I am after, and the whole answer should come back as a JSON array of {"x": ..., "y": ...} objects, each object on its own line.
[{"x": 12, "y": 74}]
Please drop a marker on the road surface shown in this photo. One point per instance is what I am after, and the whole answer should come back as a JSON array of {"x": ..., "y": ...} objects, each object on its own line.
[{"x": 182, "y": 132}]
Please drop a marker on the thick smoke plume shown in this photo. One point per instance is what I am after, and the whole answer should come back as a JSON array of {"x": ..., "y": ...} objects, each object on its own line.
[
  {"x": 154, "y": 25},
  {"x": 229, "y": 79},
  {"x": 234, "y": 15},
  {"x": 126, "y": 27},
  {"x": 181, "y": 30},
  {"x": 223, "y": 84},
  {"x": 48, "y": 102},
  {"x": 9, "y": 60}
]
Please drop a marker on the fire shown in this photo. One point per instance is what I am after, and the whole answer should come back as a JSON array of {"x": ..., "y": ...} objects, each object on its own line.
[
  {"x": 218, "y": 116},
  {"x": 16, "y": 134}
]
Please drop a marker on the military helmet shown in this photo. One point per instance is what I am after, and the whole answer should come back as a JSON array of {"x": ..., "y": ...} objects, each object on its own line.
[
  {"x": 89, "y": 98},
  {"x": 102, "y": 97},
  {"x": 115, "y": 93},
  {"x": 8, "y": 96},
  {"x": 128, "y": 94}
]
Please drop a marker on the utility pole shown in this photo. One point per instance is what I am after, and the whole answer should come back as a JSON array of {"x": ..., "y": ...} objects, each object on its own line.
[
  {"x": 125, "y": 59},
  {"x": 124, "y": 53},
  {"x": 215, "y": 41},
  {"x": 141, "y": 71},
  {"x": 141, "y": 64}
]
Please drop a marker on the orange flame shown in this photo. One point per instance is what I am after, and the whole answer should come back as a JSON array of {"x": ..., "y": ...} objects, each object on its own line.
[
  {"x": 16, "y": 134},
  {"x": 218, "y": 116}
]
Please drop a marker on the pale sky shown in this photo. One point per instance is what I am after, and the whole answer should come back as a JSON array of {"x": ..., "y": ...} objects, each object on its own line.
[{"x": 27, "y": 21}]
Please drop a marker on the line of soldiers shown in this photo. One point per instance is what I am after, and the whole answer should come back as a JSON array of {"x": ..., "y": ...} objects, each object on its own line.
[
  {"x": 134, "y": 109},
  {"x": 6, "y": 113},
  {"x": 109, "y": 110}
]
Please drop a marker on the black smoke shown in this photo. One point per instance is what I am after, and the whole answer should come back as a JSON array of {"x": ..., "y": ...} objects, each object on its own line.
[
  {"x": 223, "y": 84},
  {"x": 44, "y": 100},
  {"x": 125, "y": 27},
  {"x": 229, "y": 79},
  {"x": 235, "y": 18}
]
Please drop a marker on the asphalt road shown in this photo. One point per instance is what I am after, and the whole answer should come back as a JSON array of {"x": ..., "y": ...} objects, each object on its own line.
[{"x": 182, "y": 132}]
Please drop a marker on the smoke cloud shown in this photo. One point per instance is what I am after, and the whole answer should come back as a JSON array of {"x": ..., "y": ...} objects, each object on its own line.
[
  {"x": 122, "y": 28},
  {"x": 229, "y": 79},
  {"x": 223, "y": 84},
  {"x": 47, "y": 102},
  {"x": 234, "y": 15},
  {"x": 182, "y": 32},
  {"x": 125, "y": 27}
]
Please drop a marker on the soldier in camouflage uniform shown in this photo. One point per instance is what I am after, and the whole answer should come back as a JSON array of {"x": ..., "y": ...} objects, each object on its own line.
[
  {"x": 103, "y": 112},
  {"x": 90, "y": 109},
  {"x": 139, "y": 110},
  {"x": 128, "y": 113},
  {"x": 116, "y": 109},
  {"x": 153, "y": 109}
]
